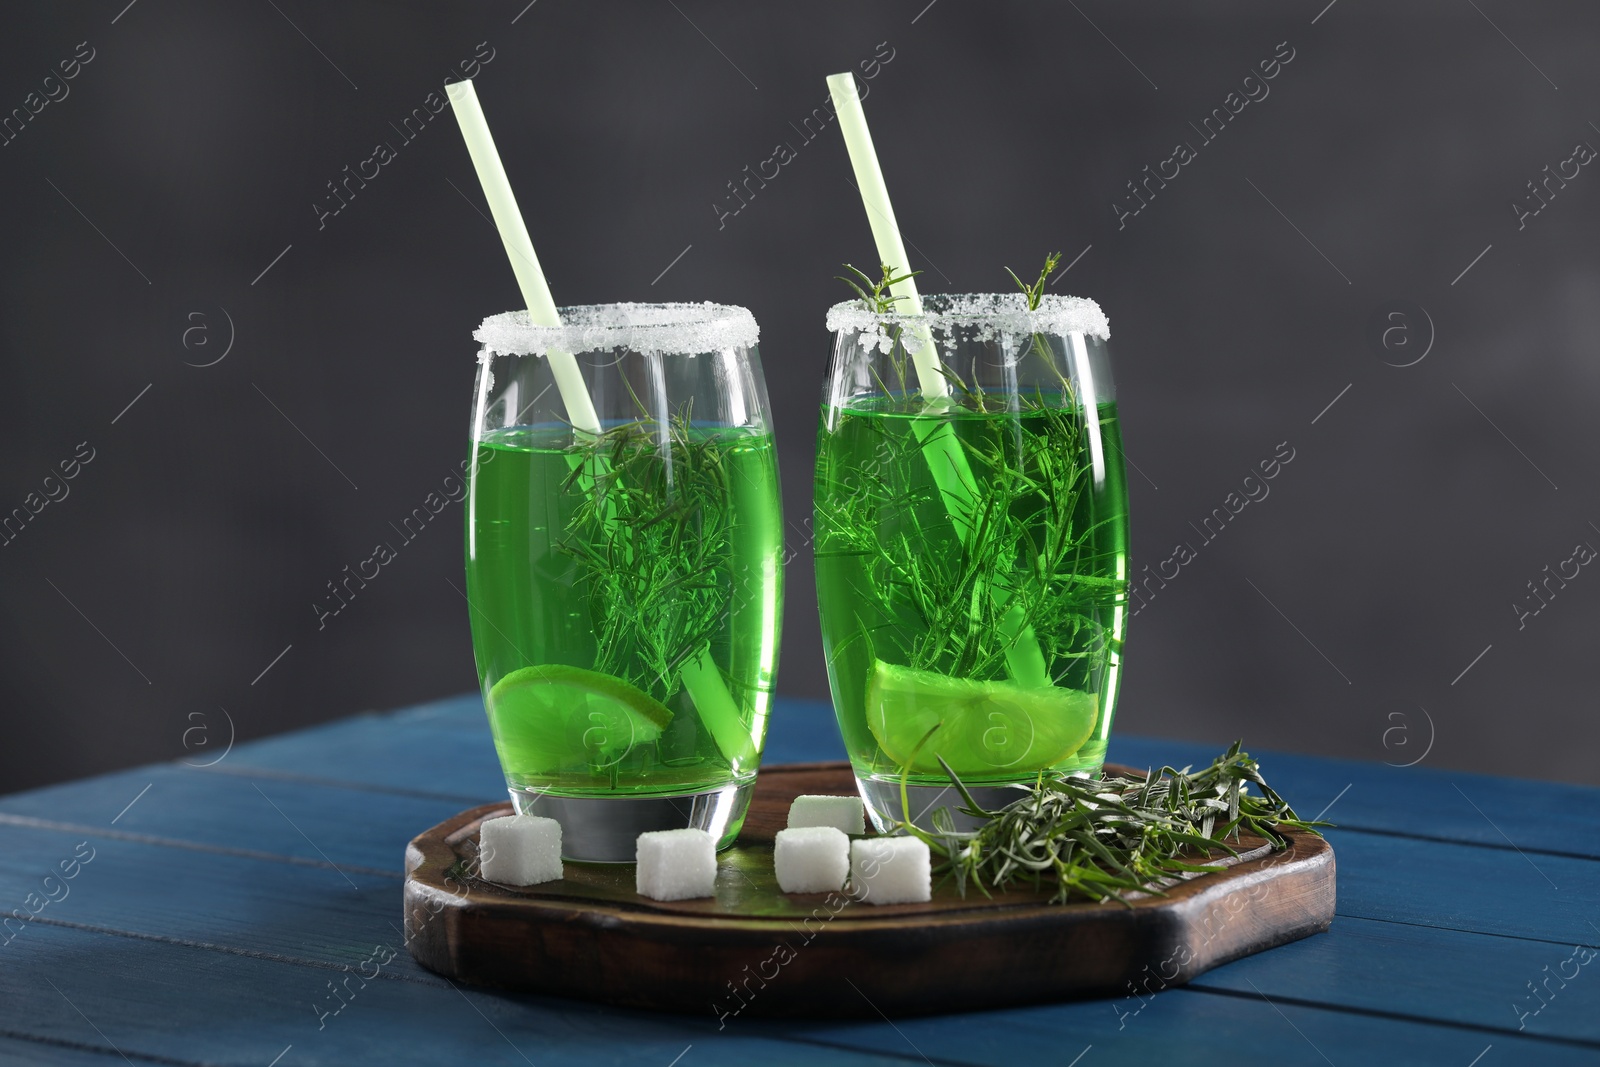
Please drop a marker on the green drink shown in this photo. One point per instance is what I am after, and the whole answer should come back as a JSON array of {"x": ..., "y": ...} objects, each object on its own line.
[
  {"x": 624, "y": 569},
  {"x": 971, "y": 555},
  {"x": 621, "y": 587}
]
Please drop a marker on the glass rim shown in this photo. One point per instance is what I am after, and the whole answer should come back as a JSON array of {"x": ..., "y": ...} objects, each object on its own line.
[
  {"x": 987, "y": 312},
  {"x": 665, "y": 328}
]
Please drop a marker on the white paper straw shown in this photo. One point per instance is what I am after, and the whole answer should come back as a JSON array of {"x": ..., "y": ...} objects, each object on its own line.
[
  {"x": 885, "y": 231},
  {"x": 719, "y": 714},
  {"x": 519, "y": 249},
  {"x": 946, "y": 458}
]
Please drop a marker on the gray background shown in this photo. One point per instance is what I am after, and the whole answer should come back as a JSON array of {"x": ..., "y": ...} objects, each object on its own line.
[{"x": 1337, "y": 616}]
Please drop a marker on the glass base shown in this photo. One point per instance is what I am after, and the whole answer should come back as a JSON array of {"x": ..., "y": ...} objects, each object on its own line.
[
  {"x": 606, "y": 829},
  {"x": 882, "y": 797}
]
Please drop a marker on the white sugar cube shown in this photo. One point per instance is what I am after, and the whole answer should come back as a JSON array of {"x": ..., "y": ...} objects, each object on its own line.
[
  {"x": 844, "y": 814},
  {"x": 811, "y": 859},
  {"x": 891, "y": 870},
  {"x": 519, "y": 850},
  {"x": 676, "y": 864}
]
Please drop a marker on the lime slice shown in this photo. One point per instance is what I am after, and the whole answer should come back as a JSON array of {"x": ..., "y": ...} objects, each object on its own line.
[
  {"x": 554, "y": 717},
  {"x": 986, "y": 728}
]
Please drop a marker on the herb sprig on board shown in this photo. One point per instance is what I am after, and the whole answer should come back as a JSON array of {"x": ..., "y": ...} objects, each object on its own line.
[{"x": 1110, "y": 838}]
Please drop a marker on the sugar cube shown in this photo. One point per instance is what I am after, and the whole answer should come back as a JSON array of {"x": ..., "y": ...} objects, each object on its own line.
[
  {"x": 676, "y": 864},
  {"x": 891, "y": 870},
  {"x": 519, "y": 850},
  {"x": 842, "y": 813},
  {"x": 811, "y": 859}
]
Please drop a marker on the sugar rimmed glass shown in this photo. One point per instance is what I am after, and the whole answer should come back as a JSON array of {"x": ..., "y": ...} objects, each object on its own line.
[
  {"x": 971, "y": 546},
  {"x": 625, "y": 586}
]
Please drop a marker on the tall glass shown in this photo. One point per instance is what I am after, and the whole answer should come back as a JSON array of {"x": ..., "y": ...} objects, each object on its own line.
[
  {"x": 971, "y": 546},
  {"x": 624, "y": 567}
]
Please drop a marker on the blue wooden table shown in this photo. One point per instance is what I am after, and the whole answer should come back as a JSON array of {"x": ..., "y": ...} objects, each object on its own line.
[{"x": 248, "y": 913}]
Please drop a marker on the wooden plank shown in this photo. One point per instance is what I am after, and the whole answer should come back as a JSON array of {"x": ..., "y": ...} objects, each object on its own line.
[
  {"x": 1464, "y": 887},
  {"x": 1446, "y": 976},
  {"x": 1415, "y": 801},
  {"x": 235, "y": 903},
  {"x": 17, "y": 1052},
  {"x": 307, "y": 821},
  {"x": 386, "y": 750},
  {"x": 390, "y": 752},
  {"x": 396, "y": 752},
  {"x": 189, "y": 1005},
  {"x": 1477, "y": 884},
  {"x": 1122, "y": 1030},
  {"x": 251, "y": 904},
  {"x": 1380, "y": 877},
  {"x": 166, "y": 1002},
  {"x": 802, "y": 731},
  {"x": 1197, "y": 1029}
]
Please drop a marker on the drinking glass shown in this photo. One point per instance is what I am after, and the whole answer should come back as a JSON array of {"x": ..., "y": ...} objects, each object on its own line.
[
  {"x": 971, "y": 547},
  {"x": 624, "y": 571}
]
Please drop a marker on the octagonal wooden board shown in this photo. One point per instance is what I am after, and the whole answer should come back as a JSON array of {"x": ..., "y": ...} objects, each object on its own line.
[{"x": 753, "y": 950}]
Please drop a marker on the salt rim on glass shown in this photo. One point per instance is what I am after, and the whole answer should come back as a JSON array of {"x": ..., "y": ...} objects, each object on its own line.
[
  {"x": 986, "y": 315},
  {"x": 686, "y": 328}
]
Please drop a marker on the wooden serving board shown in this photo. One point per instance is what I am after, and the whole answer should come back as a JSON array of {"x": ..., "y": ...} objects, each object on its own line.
[{"x": 754, "y": 950}]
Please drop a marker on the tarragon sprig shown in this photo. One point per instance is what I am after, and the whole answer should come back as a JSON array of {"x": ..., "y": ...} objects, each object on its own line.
[
  {"x": 1035, "y": 292},
  {"x": 1113, "y": 837},
  {"x": 874, "y": 294},
  {"x": 1034, "y": 295}
]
